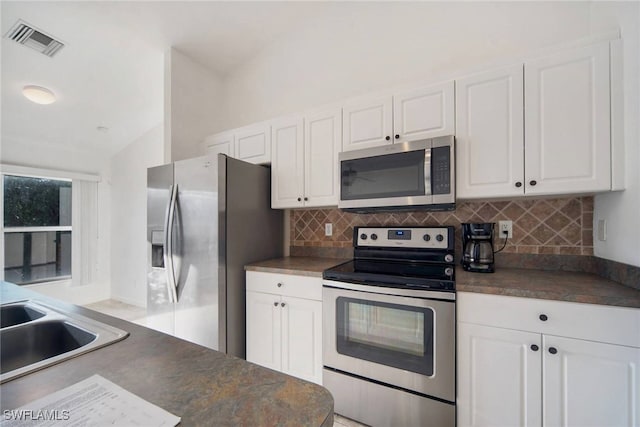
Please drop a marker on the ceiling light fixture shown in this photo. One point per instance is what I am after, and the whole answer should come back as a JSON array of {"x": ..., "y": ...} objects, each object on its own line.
[{"x": 38, "y": 94}]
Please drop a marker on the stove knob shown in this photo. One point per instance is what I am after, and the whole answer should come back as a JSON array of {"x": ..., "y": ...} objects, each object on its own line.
[
  {"x": 448, "y": 258},
  {"x": 374, "y": 236},
  {"x": 439, "y": 237},
  {"x": 363, "y": 236},
  {"x": 426, "y": 237},
  {"x": 448, "y": 271}
]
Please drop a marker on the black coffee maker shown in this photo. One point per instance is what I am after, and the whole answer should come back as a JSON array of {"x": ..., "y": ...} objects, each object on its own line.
[{"x": 477, "y": 247}]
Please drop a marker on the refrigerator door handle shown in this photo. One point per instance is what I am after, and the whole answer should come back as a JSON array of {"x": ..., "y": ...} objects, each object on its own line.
[{"x": 168, "y": 245}]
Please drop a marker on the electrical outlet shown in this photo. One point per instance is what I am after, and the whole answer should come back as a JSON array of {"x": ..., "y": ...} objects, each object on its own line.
[
  {"x": 328, "y": 229},
  {"x": 505, "y": 227}
]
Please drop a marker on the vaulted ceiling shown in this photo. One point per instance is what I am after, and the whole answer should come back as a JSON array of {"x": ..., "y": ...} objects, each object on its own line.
[{"x": 110, "y": 72}]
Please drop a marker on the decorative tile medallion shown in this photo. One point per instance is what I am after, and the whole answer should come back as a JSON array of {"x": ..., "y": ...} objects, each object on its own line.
[{"x": 546, "y": 226}]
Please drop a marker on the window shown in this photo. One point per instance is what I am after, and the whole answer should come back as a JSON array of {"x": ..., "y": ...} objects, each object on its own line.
[{"x": 37, "y": 229}]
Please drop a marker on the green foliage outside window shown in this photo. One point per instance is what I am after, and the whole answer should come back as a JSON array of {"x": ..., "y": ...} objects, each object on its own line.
[{"x": 36, "y": 202}]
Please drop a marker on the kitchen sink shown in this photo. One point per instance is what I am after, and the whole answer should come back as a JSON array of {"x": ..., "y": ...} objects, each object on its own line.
[
  {"x": 16, "y": 314},
  {"x": 34, "y": 335}
]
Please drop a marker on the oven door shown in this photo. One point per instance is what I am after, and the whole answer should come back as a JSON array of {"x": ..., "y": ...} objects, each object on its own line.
[{"x": 402, "y": 340}]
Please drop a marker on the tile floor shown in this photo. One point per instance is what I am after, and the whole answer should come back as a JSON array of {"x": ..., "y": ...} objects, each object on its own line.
[
  {"x": 121, "y": 310},
  {"x": 137, "y": 315}
]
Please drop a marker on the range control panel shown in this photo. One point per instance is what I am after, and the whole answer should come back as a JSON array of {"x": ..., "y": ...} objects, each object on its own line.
[{"x": 405, "y": 237}]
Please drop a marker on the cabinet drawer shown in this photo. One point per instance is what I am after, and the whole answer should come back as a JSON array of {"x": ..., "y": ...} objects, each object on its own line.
[
  {"x": 614, "y": 325},
  {"x": 285, "y": 284}
]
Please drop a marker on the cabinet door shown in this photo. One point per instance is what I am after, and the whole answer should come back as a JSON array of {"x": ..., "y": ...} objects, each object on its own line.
[
  {"x": 221, "y": 143},
  {"x": 287, "y": 163},
  {"x": 253, "y": 144},
  {"x": 367, "y": 123},
  {"x": 321, "y": 146},
  {"x": 499, "y": 377},
  {"x": 588, "y": 383},
  {"x": 302, "y": 338},
  {"x": 424, "y": 113},
  {"x": 567, "y": 104},
  {"x": 490, "y": 134},
  {"x": 264, "y": 327}
]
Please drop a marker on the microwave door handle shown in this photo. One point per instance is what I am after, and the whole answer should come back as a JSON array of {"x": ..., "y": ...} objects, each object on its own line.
[{"x": 427, "y": 171}]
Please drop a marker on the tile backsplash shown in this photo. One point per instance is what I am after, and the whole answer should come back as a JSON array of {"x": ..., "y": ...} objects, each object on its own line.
[{"x": 562, "y": 226}]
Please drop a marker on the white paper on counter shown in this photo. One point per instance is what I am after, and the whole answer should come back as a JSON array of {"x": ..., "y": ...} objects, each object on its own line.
[{"x": 95, "y": 401}]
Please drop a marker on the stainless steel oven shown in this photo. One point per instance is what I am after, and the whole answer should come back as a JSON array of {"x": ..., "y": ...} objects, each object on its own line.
[
  {"x": 389, "y": 328},
  {"x": 399, "y": 176}
]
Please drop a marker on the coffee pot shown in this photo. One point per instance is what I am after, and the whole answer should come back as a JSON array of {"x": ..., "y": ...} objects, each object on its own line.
[{"x": 477, "y": 247}]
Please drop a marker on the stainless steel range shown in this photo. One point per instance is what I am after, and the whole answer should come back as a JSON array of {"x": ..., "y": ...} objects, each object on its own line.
[{"x": 389, "y": 328}]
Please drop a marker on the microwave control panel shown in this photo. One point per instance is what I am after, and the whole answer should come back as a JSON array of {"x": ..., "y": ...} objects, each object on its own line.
[{"x": 440, "y": 170}]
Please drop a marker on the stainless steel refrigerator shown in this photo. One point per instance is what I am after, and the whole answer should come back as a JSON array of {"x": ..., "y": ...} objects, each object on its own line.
[{"x": 207, "y": 218}]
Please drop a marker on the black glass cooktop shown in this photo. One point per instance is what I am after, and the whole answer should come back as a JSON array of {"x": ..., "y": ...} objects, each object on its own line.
[{"x": 398, "y": 274}]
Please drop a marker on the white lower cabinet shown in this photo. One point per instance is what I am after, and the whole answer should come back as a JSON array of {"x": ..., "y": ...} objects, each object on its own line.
[
  {"x": 284, "y": 323},
  {"x": 513, "y": 372}
]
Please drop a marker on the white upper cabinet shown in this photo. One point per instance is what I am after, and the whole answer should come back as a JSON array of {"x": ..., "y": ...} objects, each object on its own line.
[
  {"x": 567, "y": 116},
  {"x": 490, "y": 134},
  {"x": 424, "y": 113},
  {"x": 287, "y": 163},
  {"x": 251, "y": 143},
  {"x": 220, "y": 143},
  {"x": 304, "y": 169},
  {"x": 546, "y": 132},
  {"x": 367, "y": 123},
  {"x": 322, "y": 141},
  {"x": 406, "y": 116}
]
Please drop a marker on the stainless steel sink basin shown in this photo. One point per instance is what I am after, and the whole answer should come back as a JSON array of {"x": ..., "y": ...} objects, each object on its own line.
[
  {"x": 34, "y": 336},
  {"x": 16, "y": 314}
]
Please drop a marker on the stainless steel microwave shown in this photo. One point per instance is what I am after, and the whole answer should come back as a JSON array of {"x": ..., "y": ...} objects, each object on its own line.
[{"x": 417, "y": 174}]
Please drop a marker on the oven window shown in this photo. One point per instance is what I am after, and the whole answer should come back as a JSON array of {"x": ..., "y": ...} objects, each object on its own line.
[
  {"x": 390, "y": 334},
  {"x": 391, "y": 175}
]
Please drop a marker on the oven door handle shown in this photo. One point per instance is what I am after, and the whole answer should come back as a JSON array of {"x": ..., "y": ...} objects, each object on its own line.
[{"x": 439, "y": 295}]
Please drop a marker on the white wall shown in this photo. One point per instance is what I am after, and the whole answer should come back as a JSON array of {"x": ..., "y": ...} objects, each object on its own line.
[
  {"x": 621, "y": 210},
  {"x": 128, "y": 176},
  {"x": 45, "y": 156},
  {"x": 375, "y": 45},
  {"x": 193, "y": 105}
]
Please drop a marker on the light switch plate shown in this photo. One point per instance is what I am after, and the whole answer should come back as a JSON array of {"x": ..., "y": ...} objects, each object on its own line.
[{"x": 602, "y": 230}]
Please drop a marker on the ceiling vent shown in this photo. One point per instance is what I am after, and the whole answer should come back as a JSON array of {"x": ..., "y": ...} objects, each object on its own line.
[{"x": 27, "y": 35}]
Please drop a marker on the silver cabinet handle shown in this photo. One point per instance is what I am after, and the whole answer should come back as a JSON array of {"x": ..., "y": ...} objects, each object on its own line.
[{"x": 168, "y": 245}]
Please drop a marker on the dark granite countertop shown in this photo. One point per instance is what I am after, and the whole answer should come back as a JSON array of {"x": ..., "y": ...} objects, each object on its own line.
[
  {"x": 202, "y": 386},
  {"x": 552, "y": 285},
  {"x": 519, "y": 282},
  {"x": 301, "y": 266}
]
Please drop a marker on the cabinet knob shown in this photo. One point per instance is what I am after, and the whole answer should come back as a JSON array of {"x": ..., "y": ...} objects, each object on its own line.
[
  {"x": 387, "y": 137},
  {"x": 397, "y": 136},
  {"x": 534, "y": 347},
  {"x": 518, "y": 184},
  {"x": 299, "y": 199},
  {"x": 275, "y": 303},
  {"x": 282, "y": 304},
  {"x": 306, "y": 199},
  {"x": 533, "y": 182},
  {"x": 553, "y": 350},
  {"x": 543, "y": 317},
  {"x": 279, "y": 285}
]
